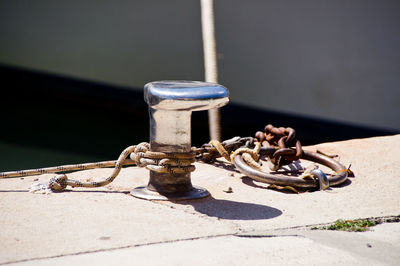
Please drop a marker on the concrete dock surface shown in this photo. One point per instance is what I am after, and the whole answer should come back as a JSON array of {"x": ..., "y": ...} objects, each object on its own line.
[{"x": 251, "y": 225}]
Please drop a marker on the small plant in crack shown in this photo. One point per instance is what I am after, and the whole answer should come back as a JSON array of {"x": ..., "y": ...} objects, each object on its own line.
[{"x": 359, "y": 225}]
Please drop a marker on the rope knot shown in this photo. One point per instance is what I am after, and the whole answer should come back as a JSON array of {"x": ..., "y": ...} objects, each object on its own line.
[
  {"x": 139, "y": 153},
  {"x": 58, "y": 183},
  {"x": 142, "y": 147}
]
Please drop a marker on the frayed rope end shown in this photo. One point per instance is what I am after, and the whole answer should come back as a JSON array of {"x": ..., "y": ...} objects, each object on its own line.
[{"x": 56, "y": 184}]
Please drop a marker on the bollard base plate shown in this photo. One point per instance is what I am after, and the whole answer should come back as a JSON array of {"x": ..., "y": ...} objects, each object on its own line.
[{"x": 145, "y": 193}]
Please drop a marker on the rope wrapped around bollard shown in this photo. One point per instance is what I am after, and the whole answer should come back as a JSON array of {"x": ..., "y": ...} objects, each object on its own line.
[{"x": 173, "y": 163}]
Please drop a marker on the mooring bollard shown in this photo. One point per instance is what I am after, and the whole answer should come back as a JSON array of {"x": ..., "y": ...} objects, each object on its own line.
[{"x": 170, "y": 107}]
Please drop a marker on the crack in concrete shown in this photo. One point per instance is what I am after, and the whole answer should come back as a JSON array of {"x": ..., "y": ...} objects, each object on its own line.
[
  {"x": 119, "y": 248},
  {"x": 266, "y": 235}
]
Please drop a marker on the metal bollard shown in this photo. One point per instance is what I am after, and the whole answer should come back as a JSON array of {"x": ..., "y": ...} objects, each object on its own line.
[{"x": 170, "y": 107}]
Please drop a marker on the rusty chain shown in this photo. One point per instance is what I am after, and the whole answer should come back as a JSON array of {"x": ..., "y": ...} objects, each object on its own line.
[
  {"x": 281, "y": 147},
  {"x": 283, "y": 139}
]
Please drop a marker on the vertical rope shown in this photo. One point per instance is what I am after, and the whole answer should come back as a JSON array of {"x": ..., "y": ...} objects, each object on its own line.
[{"x": 210, "y": 62}]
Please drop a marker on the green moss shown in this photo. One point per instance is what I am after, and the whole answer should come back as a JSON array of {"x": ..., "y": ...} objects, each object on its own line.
[
  {"x": 360, "y": 225},
  {"x": 357, "y": 225}
]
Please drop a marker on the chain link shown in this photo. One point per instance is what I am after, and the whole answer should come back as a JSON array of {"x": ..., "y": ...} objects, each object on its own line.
[{"x": 283, "y": 139}]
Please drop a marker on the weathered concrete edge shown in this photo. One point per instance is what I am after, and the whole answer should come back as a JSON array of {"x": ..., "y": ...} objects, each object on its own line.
[{"x": 296, "y": 231}]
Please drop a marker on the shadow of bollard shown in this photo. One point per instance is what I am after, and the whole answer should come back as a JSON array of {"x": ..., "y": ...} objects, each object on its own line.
[{"x": 232, "y": 210}]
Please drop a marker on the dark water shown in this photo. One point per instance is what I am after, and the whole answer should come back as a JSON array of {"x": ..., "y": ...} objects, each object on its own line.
[{"x": 48, "y": 120}]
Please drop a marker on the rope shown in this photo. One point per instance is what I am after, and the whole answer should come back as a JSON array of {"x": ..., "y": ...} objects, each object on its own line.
[
  {"x": 62, "y": 168},
  {"x": 250, "y": 156},
  {"x": 173, "y": 163},
  {"x": 221, "y": 149},
  {"x": 60, "y": 182}
]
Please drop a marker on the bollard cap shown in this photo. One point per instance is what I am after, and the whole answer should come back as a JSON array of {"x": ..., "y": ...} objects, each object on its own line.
[{"x": 185, "y": 95}]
